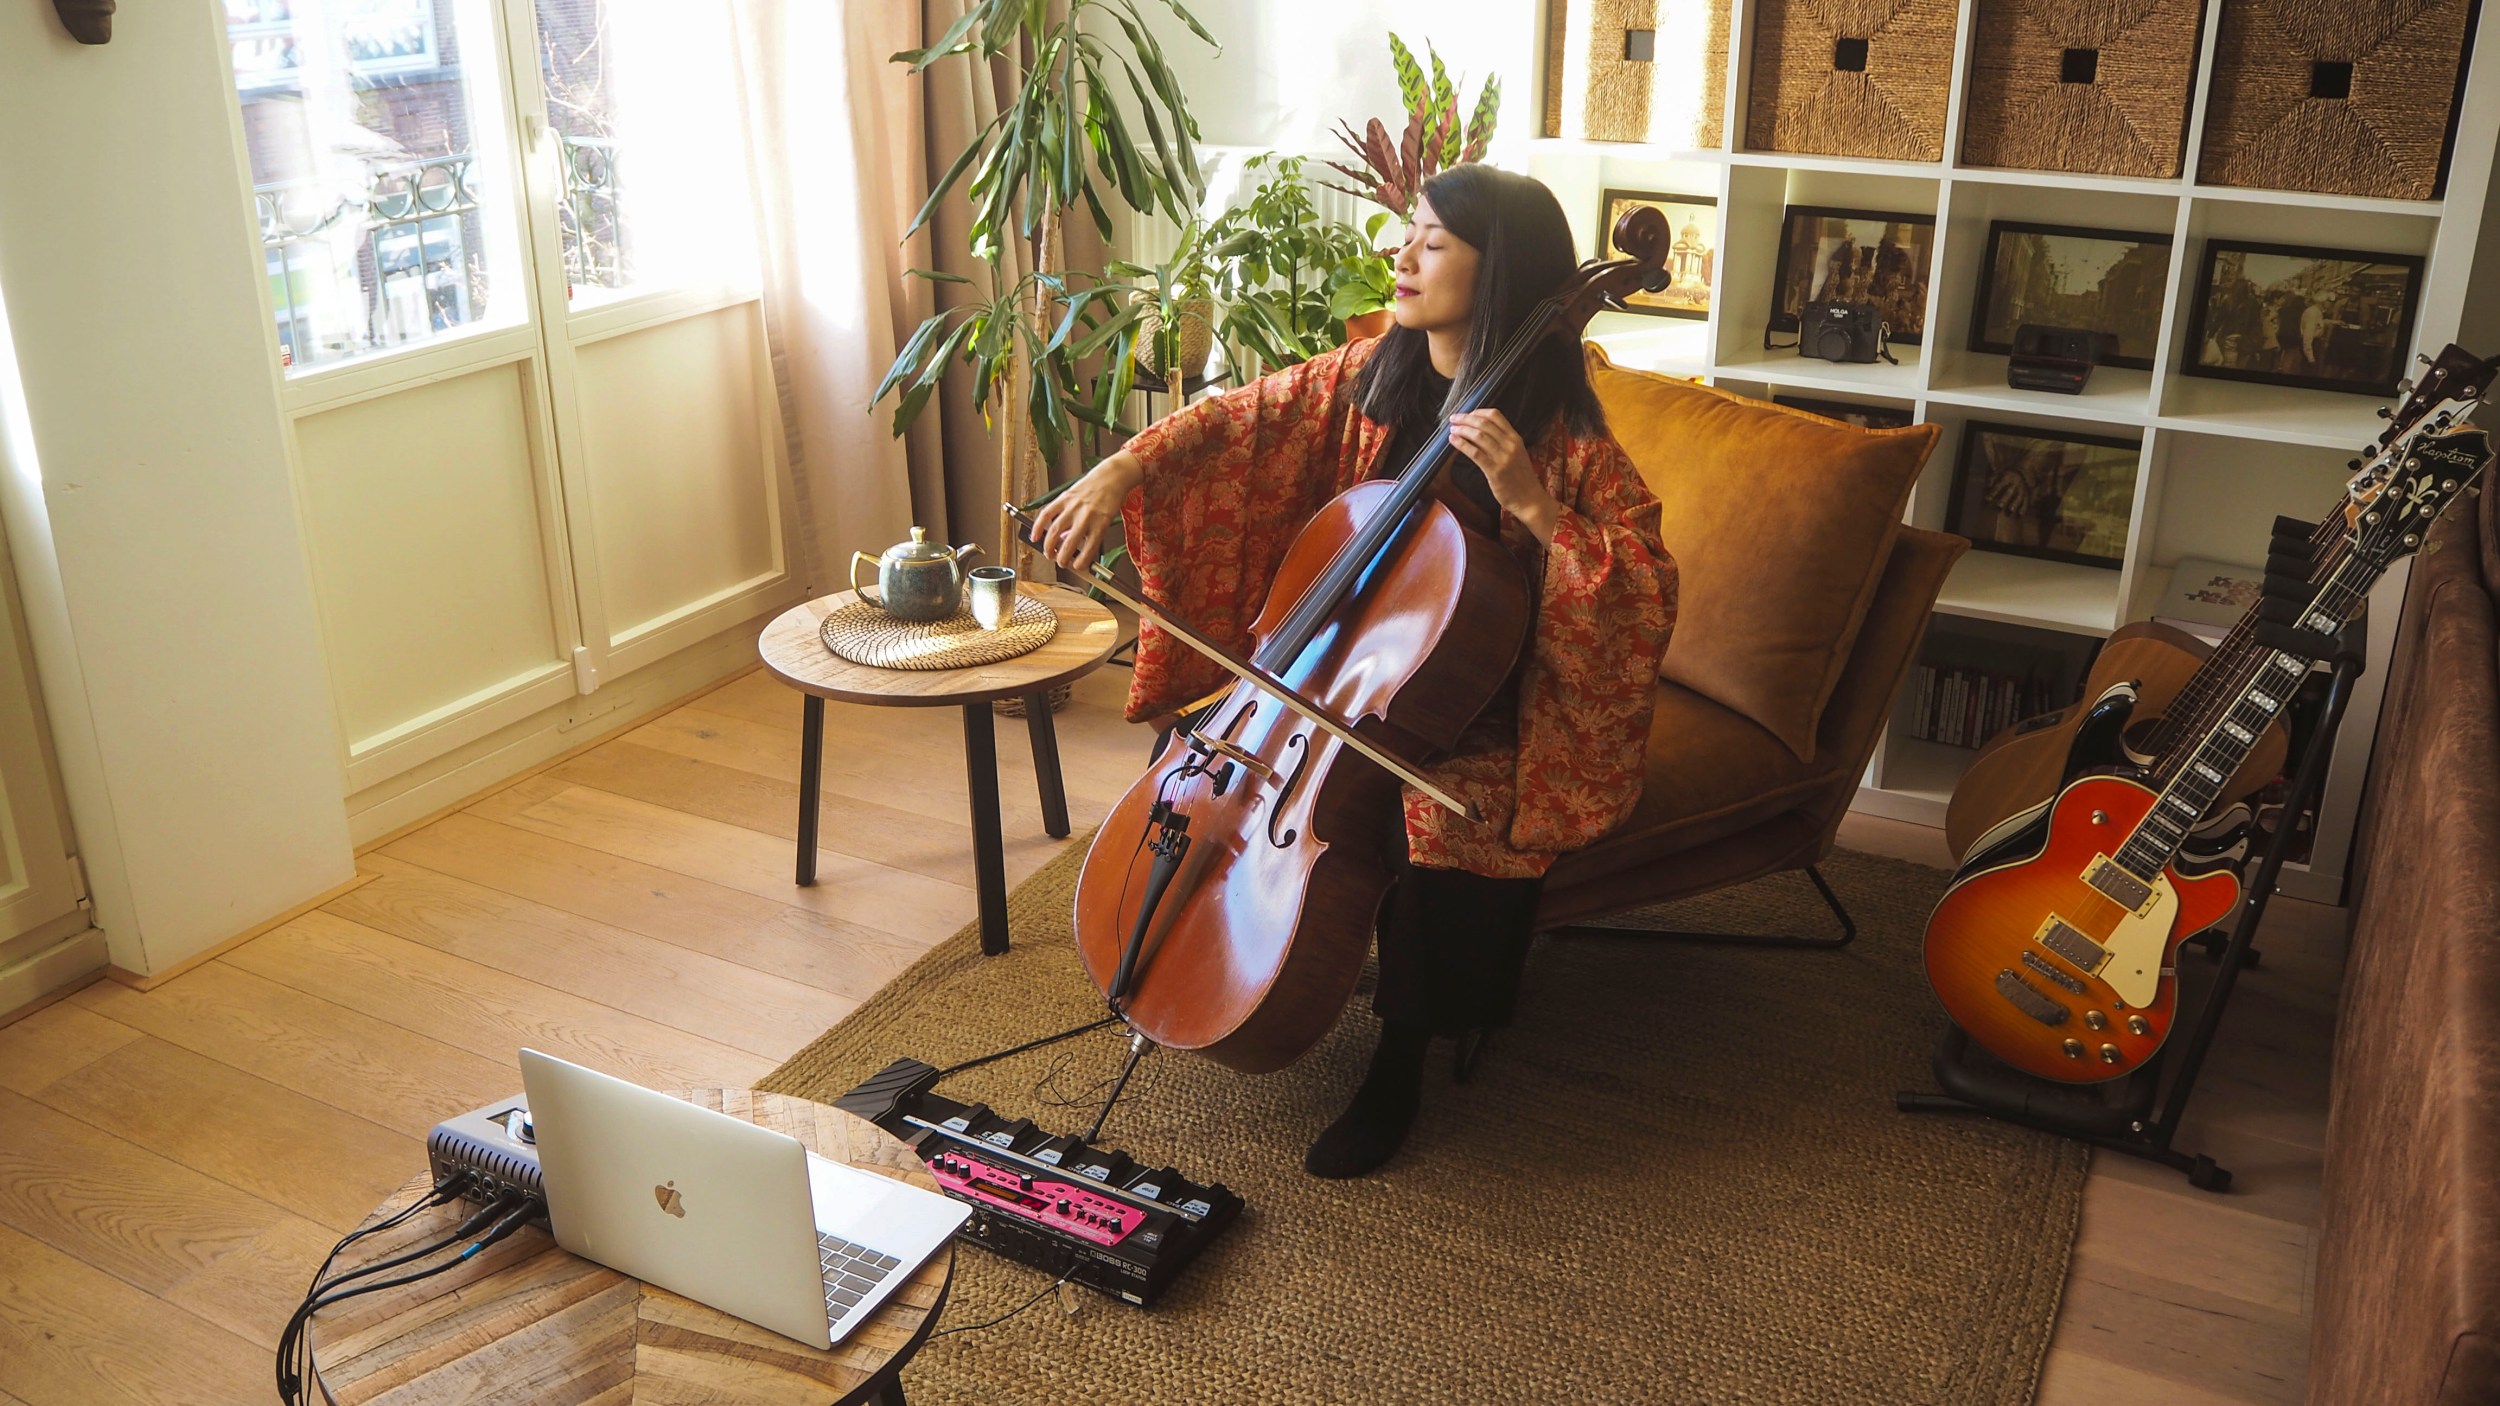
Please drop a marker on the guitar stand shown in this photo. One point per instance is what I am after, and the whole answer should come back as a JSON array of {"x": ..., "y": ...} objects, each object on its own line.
[{"x": 2140, "y": 1114}]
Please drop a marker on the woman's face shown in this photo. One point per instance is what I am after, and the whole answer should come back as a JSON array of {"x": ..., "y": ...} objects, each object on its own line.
[{"x": 1436, "y": 274}]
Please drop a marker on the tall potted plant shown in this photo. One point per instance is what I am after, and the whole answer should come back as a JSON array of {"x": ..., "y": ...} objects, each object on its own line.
[{"x": 1062, "y": 140}]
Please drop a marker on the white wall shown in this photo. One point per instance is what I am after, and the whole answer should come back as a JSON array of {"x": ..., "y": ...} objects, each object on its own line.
[
  {"x": 1292, "y": 69},
  {"x": 147, "y": 496}
]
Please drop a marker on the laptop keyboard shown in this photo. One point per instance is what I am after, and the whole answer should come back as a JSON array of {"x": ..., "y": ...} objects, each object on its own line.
[{"x": 852, "y": 1273}]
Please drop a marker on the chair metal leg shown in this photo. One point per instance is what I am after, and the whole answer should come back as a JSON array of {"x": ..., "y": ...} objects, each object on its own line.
[{"x": 1848, "y": 927}]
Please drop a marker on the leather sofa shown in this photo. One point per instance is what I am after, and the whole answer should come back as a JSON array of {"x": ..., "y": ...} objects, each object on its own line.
[{"x": 2408, "y": 1277}]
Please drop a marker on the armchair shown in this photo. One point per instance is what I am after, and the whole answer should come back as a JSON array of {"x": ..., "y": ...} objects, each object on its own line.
[{"x": 1803, "y": 602}]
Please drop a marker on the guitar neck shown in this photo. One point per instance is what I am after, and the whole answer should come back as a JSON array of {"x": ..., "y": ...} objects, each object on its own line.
[
  {"x": 2265, "y": 688},
  {"x": 2201, "y": 700}
]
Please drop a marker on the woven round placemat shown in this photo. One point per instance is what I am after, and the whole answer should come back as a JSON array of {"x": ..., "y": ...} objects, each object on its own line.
[
  {"x": 1678, "y": 1178},
  {"x": 865, "y": 634}
]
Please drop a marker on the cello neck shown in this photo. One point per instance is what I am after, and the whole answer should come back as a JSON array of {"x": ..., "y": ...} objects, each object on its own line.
[{"x": 1388, "y": 527}]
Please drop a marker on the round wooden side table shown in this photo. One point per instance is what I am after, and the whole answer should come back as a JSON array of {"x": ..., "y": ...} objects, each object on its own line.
[
  {"x": 793, "y": 647},
  {"x": 529, "y": 1323}
]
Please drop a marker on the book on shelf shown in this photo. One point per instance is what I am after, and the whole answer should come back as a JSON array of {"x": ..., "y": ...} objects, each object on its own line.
[
  {"x": 2206, "y": 598},
  {"x": 1964, "y": 707}
]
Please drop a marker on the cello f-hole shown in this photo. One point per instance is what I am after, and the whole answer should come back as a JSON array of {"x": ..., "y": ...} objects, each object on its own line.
[{"x": 1285, "y": 793}]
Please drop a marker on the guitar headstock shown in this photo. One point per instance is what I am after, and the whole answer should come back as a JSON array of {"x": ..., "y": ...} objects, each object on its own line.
[
  {"x": 2436, "y": 469},
  {"x": 2447, "y": 393}
]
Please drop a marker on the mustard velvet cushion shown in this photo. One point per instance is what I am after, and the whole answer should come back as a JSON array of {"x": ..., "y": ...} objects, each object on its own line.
[{"x": 1780, "y": 523}]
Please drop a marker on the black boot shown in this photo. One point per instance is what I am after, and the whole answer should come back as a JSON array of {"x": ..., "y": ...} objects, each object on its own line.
[{"x": 1368, "y": 1133}]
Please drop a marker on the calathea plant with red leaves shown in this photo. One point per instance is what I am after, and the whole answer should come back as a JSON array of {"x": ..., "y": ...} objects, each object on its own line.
[{"x": 1393, "y": 176}]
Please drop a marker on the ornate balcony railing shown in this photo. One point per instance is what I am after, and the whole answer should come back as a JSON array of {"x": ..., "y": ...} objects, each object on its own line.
[{"x": 410, "y": 264}]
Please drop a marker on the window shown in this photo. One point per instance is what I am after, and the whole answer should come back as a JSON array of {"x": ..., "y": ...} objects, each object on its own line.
[
  {"x": 376, "y": 161},
  {"x": 642, "y": 107}
]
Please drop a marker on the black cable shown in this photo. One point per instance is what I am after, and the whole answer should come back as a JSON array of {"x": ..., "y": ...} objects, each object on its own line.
[
  {"x": 520, "y": 1214},
  {"x": 294, "y": 1342},
  {"x": 1019, "y": 1308},
  {"x": 445, "y": 1191}
]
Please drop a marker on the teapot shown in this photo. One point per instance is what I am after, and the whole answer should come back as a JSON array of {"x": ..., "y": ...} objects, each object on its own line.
[{"x": 916, "y": 580}]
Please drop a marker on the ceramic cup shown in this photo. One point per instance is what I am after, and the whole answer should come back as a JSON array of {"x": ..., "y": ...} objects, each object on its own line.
[{"x": 991, "y": 591}]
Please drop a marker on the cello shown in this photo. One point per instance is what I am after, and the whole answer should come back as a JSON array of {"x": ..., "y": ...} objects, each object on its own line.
[{"x": 1227, "y": 903}]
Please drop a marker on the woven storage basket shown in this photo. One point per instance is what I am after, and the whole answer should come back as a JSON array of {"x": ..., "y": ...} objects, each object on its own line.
[
  {"x": 2082, "y": 85},
  {"x": 1806, "y": 98},
  {"x": 1597, "y": 90},
  {"x": 2266, "y": 126}
]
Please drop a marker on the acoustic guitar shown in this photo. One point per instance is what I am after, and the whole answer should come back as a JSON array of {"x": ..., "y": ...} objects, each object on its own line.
[
  {"x": 2177, "y": 677},
  {"x": 2056, "y": 945}
]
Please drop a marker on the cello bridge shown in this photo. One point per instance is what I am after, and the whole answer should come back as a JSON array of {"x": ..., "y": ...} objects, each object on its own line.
[{"x": 1226, "y": 747}]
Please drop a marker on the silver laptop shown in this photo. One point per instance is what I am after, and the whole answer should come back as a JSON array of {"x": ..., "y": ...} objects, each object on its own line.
[{"x": 726, "y": 1213}]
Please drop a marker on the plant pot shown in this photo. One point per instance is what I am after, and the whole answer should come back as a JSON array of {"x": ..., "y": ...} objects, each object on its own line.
[
  {"x": 1371, "y": 324},
  {"x": 1197, "y": 339}
]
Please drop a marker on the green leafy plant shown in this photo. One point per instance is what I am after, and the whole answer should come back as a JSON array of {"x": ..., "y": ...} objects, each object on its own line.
[
  {"x": 1061, "y": 141},
  {"x": 1284, "y": 272},
  {"x": 1394, "y": 175}
]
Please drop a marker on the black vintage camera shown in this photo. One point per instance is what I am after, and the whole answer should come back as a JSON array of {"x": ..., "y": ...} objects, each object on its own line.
[{"x": 1842, "y": 332}]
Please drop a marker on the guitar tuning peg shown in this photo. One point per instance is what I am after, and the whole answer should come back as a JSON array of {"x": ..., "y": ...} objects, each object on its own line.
[
  {"x": 2422, "y": 357},
  {"x": 2386, "y": 414},
  {"x": 2405, "y": 386}
]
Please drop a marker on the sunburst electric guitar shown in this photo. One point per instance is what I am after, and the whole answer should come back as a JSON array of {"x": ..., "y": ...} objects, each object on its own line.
[
  {"x": 2177, "y": 679},
  {"x": 2056, "y": 945}
]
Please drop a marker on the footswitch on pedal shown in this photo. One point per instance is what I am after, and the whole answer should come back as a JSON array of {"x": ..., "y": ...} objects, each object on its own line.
[{"x": 1051, "y": 1202}]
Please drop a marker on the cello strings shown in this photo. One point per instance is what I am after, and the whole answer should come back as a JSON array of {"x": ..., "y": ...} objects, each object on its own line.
[{"x": 1366, "y": 545}]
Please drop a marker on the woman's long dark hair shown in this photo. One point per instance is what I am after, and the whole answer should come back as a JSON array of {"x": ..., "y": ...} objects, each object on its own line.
[{"x": 1526, "y": 251}]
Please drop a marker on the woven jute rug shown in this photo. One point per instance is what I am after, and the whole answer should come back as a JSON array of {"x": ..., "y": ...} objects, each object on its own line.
[{"x": 1678, "y": 1177}]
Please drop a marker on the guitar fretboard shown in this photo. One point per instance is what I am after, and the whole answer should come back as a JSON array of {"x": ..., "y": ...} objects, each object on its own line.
[{"x": 2195, "y": 780}]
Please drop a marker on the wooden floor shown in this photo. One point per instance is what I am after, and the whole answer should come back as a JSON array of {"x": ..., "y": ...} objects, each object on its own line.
[{"x": 173, "y": 1163}]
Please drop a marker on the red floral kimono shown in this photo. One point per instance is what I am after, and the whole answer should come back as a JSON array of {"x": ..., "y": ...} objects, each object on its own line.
[{"x": 1231, "y": 479}]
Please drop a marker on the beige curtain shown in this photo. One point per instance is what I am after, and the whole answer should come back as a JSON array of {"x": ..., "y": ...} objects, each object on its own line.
[
  {"x": 834, "y": 136},
  {"x": 845, "y": 146}
]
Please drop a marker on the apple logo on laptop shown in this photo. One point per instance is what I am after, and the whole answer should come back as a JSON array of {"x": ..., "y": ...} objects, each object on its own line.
[{"x": 670, "y": 1200}]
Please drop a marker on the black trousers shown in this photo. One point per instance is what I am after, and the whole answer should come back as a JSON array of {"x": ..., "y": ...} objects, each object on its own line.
[{"x": 1452, "y": 945}]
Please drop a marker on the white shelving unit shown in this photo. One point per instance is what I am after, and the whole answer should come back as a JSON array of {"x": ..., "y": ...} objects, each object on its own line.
[{"x": 2219, "y": 459}]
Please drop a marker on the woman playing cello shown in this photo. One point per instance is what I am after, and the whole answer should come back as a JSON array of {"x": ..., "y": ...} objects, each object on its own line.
[{"x": 1213, "y": 495}]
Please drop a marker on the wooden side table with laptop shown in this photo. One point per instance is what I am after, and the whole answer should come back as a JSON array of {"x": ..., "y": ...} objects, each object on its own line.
[
  {"x": 528, "y": 1322},
  {"x": 794, "y": 649}
]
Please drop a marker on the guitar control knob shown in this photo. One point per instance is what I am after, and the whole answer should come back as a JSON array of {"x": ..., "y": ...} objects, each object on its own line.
[
  {"x": 2094, "y": 1020},
  {"x": 2138, "y": 1025},
  {"x": 2074, "y": 1049},
  {"x": 2109, "y": 1054}
]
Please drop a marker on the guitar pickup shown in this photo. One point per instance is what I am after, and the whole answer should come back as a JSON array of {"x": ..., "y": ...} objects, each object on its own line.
[
  {"x": 2060, "y": 937},
  {"x": 2117, "y": 885}
]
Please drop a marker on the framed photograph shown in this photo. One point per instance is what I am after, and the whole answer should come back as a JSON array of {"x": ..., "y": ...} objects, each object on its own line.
[
  {"x": 2041, "y": 493},
  {"x": 1854, "y": 256},
  {"x": 2327, "y": 319},
  {"x": 1690, "y": 259},
  {"x": 1865, "y": 417},
  {"x": 2100, "y": 280}
]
